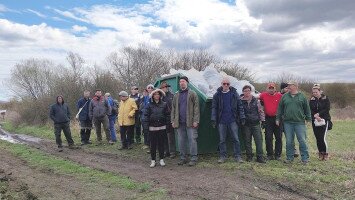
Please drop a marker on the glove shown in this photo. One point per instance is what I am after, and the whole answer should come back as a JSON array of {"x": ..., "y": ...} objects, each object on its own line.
[
  {"x": 213, "y": 123},
  {"x": 242, "y": 121},
  {"x": 263, "y": 124}
]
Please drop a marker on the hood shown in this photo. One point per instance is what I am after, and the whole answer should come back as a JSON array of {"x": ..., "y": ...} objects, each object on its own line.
[{"x": 162, "y": 93}]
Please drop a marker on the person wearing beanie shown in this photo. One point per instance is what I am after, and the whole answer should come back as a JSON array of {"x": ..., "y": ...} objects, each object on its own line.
[
  {"x": 126, "y": 120},
  {"x": 99, "y": 110},
  {"x": 283, "y": 88},
  {"x": 320, "y": 106},
  {"x": 156, "y": 118},
  {"x": 185, "y": 117}
]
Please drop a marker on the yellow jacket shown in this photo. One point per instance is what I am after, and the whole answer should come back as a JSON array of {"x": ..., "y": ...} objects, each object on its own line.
[{"x": 126, "y": 112}]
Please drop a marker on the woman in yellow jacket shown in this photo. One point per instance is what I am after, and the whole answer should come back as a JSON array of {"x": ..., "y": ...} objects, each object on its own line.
[{"x": 126, "y": 121}]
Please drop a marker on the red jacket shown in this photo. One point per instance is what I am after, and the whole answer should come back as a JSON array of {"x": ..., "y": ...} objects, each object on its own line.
[{"x": 271, "y": 102}]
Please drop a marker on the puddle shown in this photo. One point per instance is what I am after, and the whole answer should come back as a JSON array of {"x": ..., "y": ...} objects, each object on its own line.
[{"x": 17, "y": 138}]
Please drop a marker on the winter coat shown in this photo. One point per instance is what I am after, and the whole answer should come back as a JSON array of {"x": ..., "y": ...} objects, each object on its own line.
[
  {"x": 253, "y": 111},
  {"x": 59, "y": 113},
  {"x": 99, "y": 108},
  {"x": 168, "y": 98},
  {"x": 84, "y": 114},
  {"x": 217, "y": 105},
  {"x": 157, "y": 114},
  {"x": 193, "y": 109},
  {"x": 321, "y": 106},
  {"x": 126, "y": 112}
]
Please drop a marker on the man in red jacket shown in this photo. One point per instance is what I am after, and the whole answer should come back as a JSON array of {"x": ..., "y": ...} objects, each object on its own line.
[{"x": 271, "y": 99}]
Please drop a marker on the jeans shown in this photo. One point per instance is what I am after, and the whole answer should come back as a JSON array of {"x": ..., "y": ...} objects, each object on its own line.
[
  {"x": 105, "y": 124},
  {"x": 187, "y": 135},
  {"x": 67, "y": 133},
  {"x": 253, "y": 131},
  {"x": 112, "y": 121},
  {"x": 272, "y": 130},
  {"x": 232, "y": 130},
  {"x": 126, "y": 135},
  {"x": 298, "y": 129}
]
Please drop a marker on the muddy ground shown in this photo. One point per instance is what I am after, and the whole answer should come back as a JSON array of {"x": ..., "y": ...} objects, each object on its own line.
[{"x": 180, "y": 182}]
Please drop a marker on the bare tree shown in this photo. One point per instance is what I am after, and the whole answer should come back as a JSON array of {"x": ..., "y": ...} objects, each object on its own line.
[{"x": 237, "y": 71}]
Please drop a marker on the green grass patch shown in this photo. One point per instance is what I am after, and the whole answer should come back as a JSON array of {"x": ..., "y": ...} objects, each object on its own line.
[{"x": 38, "y": 159}]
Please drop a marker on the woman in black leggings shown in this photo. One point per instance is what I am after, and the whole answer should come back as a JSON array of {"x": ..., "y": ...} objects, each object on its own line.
[
  {"x": 320, "y": 106},
  {"x": 157, "y": 116}
]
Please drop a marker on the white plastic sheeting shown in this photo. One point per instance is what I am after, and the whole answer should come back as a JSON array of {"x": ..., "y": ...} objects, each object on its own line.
[{"x": 209, "y": 80}]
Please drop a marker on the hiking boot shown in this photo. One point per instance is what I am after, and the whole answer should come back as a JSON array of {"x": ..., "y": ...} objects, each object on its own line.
[
  {"x": 221, "y": 160},
  {"x": 249, "y": 158},
  {"x": 238, "y": 160},
  {"x": 182, "y": 162},
  {"x": 192, "y": 163},
  {"x": 326, "y": 156},
  {"x": 60, "y": 149},
  {"x": 288, "y": 161},
  {"x": 260, "y": 160},
  {"x": 296, "y": 154},
  {"x": 162, "y": 163},
  {"x": 152, "y": 164}
]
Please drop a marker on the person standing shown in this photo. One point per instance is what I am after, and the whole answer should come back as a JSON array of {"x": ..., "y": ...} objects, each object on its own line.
[
  {"x": 320, "y": 107},
  {"x": 126, "y": 120},
  {"x": 185, "y": 117},
  {"x": 157, "y": 116},
  {"x": 169, "y": 140},
  {"x": 137, "y": 98},
  {"x": 294, "y": 110},
  {"x": 60, "y": 114},
  {"x": 84, "y": 118},
  {"x": 143, "y": 103},
  {"x": 112, "y": 117},
  {"x": 254, "y": 114},
  {"x": 227, "y": 110},
  {"x": 271, "y": 99},
  {"x": 99, "y": 110}
]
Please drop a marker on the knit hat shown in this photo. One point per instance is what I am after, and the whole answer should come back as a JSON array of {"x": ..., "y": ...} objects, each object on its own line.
[
  {"x": 283, "y": 86},
  {"x": 150, "y": 85},
  {"x": 123, "y": 94},
  {"x": 185, "y": 78}
]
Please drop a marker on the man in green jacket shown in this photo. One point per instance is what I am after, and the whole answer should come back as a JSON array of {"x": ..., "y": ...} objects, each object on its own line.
[
  {"x": 294, "y": 111},
  {"x": 185, "y": 116}
]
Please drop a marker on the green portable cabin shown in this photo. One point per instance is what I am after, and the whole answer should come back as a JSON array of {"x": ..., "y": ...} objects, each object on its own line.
[{"x": 208, "y": 138}]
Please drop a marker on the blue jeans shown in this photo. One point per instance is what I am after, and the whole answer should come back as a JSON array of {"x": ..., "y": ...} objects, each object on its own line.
[
  {"x": 223, "y": 130},
  {"x": 187, "y": 135},
  {"x": 298, "y": 129},
  {"x": 112, "y": 121}
]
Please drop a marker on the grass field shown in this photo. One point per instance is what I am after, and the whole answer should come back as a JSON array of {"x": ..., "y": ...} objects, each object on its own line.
[{"x": 330, "y": 179}]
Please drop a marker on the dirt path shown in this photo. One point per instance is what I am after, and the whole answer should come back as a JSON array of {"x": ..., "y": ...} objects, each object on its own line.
[{"x": 180, "y": 182}]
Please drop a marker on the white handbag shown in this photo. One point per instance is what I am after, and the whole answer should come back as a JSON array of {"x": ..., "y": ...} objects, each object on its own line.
[{"x": 319, "y": 123}]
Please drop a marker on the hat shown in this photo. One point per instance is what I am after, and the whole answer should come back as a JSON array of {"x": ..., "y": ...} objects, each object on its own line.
[
  {"x": 134, "y": 87},
  {"x": 123, "y": 94},
  {"x": 283, "y": 86},
  {"x": 150, "y": 85},
  {"x": 164, "y": 84},
  {"x": 316, "y": 86},
  {"x": 269, "y": 85},
  {"x": 107, "y": 94},
  {"x": 292, "y": 83},
  {"x": 185, "y": 78}
]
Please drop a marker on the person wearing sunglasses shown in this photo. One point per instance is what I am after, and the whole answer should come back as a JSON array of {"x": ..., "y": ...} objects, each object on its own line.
[{"x": 227, "y": 110}]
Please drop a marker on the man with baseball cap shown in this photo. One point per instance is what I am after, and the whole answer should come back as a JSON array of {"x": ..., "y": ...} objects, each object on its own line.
[
  {"x": 294, "y": 110},
  {"x": 271, "y": 99}
]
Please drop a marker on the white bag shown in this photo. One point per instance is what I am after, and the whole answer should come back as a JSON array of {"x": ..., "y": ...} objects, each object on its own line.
[{"x": 319, "y": 123}]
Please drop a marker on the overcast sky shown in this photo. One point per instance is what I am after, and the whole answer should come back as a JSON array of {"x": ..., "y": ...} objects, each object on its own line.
[{"x": 308, "y": 38}]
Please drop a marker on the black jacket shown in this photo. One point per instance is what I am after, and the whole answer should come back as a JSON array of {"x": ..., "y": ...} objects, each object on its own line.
[
  {"x": 321, "y": 106},
  {"x": 59, "y": 113},
  {"x": 156, "y": 114},
  {"x": 217, "y": 105},
  {"x": 168, "y": 98}
]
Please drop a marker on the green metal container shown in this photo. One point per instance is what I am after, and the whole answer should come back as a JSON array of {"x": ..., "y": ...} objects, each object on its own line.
[{"x": 208, "y": 138}]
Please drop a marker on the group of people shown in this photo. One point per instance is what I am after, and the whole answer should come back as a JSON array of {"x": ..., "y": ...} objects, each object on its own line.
[{"x": 157, "y": 113}]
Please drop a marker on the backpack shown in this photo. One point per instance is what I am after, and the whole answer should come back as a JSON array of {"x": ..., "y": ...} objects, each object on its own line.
[{"x": 115, "y": 107}]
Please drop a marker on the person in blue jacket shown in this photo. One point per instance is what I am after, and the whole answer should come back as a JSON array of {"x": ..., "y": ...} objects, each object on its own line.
[{"x": 84, "y": 119}]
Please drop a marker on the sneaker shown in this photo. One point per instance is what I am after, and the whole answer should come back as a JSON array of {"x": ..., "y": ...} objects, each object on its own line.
[
  {"x": 305, "y": 162},
  {"x": 182, "y": 162},
  {"x": 192, "y": 163},
  {"x": 111, "y": 142},
  {"x": 60, "y": 149},
  {"x": 238, "y": 160},
  {"x": 152, "y": 164},
  {"x": 145, "y": 147},
  {"x": 162, "y": 163},
  {"x": 148, "y": 151},
  {"x": 221, "y": 160},
  {"x": 288, "y": 161},
  {"x": 130, "y": 147},
  {"x": 260, "y": 160}
]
